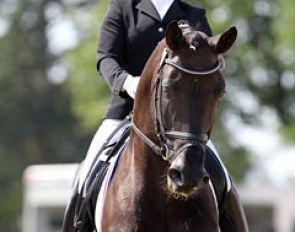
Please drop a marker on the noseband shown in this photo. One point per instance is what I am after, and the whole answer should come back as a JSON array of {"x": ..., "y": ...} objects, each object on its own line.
[{"x": 193, "y": 140}]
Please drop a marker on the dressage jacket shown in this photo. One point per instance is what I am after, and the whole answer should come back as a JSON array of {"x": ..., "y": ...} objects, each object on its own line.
[{"x": 130, "y": 32}]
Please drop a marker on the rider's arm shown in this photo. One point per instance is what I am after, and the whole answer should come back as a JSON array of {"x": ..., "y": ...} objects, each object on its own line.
[
  {"x": 111, "y": 48},
  {"x": 205, "y": 26}
]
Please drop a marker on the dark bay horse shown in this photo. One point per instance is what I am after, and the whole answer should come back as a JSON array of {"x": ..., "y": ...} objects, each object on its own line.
[{"x": 160, "y": 183}]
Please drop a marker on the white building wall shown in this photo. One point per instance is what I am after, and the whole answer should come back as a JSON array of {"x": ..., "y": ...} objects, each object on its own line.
[{"x": 46, "y": 193}]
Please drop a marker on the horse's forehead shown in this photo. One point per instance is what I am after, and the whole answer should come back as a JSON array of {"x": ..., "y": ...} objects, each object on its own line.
[{"x": 196, "y": 37}]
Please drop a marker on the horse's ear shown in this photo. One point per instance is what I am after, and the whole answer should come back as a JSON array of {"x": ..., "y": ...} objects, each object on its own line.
[
  {"x": 223, "y": 42},
  {"x": 174, "y": 37}
]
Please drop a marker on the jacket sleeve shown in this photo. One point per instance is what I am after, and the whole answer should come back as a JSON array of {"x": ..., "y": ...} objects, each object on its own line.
[
  {"x": 205, "y": 27},
  {"x": 110, "y": 48}
]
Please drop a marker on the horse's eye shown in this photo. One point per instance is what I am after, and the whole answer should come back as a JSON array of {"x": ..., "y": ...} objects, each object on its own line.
[
  {"x": 170, "y": 84},
  {"x": 166, "y": 83},
  {"x": 220, "y": 92}
]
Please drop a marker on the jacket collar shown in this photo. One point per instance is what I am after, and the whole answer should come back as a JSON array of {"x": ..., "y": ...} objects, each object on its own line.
[{"x": 174, "y": 12}]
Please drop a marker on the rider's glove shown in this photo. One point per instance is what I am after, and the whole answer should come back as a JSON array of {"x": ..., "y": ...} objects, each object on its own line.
[{"x": 130, "y": 85}]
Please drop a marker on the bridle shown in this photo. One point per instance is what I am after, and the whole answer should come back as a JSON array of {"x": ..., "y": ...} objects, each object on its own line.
[{"x": 192, "y": 140}]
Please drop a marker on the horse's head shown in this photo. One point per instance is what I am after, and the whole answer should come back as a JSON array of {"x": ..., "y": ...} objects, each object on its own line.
[
  {"x": 186, "y": 92},
  {"x": 190, "y": 89}
]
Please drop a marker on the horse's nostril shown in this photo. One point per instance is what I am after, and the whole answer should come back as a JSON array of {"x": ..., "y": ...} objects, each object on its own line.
[
  {"x": 206, "y": 179},
  {"x": 175, "y": 176}
]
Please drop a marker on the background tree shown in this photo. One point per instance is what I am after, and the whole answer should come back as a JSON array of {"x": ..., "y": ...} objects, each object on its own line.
[{"x": 36, "y": 121}]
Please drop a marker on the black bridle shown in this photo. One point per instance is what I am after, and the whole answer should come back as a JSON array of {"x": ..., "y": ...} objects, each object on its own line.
[{"x": 193, "y": 140}]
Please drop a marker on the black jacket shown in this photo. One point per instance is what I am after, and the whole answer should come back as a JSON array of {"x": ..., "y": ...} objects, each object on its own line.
[{"x": 130, "y": 32}]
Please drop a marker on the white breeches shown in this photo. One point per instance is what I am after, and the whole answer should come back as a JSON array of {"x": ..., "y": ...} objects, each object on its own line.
[{"x": 104, "y": 131}]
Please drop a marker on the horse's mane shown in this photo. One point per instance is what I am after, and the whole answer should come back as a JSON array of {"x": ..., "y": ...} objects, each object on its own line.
[{"x": 186, "y": 27}]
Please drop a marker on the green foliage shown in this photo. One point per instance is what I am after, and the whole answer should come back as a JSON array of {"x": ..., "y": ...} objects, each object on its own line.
[
  {"x": 89, "y": 93},
  {"x": 88, "y": 106},
  {"x": 282, "y": 27},
  {"x": 37, "y": 125},
  {"x": 285, "y": 52}
]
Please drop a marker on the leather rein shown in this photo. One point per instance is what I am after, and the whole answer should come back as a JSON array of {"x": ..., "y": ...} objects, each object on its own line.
[{"x": 193, "y": 140}]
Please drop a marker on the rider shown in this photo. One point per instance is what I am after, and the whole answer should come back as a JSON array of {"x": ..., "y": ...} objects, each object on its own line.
[{"x": 130, "y": 31}]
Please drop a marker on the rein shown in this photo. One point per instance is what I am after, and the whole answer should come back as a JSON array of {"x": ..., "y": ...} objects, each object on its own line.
[{"x": 193, "y": 140}]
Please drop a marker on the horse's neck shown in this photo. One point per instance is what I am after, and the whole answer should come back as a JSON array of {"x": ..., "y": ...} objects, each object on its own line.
[
  {"x": 144, "y": 94},
  {"x": 145, "y": 163},
  {"x": 144, "y": 108}
]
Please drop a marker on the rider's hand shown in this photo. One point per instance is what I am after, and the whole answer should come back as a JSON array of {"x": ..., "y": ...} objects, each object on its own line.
[{"x": 130, "y": 85}]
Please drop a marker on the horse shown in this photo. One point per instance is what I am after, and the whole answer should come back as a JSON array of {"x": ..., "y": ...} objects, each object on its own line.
[{"x": 160, "y": 183}]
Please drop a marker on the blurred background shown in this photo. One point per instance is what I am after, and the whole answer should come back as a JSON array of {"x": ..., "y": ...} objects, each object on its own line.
[{"x": 52, "y": 101}]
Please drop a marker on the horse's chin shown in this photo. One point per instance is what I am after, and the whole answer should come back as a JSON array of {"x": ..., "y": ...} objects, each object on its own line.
[{"x": 180, "y": 192}]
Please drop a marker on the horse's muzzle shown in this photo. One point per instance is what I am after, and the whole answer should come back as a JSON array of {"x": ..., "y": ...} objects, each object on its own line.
[
  {"x": 187, "y": 174},
  {"x": 178, "y": 184}
]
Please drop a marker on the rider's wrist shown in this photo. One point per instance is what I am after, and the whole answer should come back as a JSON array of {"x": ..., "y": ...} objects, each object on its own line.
[{"x": 127, "y": 83}]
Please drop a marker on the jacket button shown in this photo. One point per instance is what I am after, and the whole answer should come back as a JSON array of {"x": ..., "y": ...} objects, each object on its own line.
[{"x": 160, "y": 29}]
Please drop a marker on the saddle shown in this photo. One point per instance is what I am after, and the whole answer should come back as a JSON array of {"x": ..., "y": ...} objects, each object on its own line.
[{"x": 84, "y": 219}]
